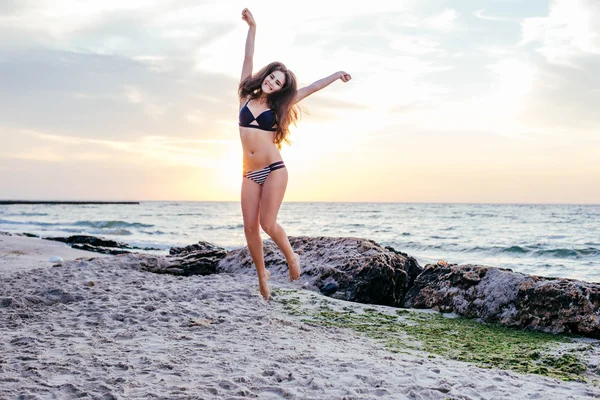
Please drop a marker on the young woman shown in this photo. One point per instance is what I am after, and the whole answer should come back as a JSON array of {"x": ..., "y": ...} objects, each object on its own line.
[{"x": 267, "y": 108}]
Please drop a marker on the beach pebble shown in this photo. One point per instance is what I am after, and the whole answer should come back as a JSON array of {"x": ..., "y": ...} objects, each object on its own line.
[
  {"x": 329, "y": 289},
  {"x": 56, "y": 259}
]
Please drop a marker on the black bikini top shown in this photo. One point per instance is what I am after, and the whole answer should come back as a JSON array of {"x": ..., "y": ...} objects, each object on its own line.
[{"x": 266, "y": 120}]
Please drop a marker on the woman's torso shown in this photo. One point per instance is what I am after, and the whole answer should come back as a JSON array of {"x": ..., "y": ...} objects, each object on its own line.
[{"x": 258, "y": 147}]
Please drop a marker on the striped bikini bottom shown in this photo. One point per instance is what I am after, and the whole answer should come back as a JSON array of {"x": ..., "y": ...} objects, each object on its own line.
[{"x": 260, "y": 175}]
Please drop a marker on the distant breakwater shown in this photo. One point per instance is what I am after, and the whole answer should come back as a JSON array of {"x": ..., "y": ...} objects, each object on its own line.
[{"x": 11, "y": 202}]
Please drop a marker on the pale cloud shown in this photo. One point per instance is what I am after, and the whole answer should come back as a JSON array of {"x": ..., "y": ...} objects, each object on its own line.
[
  {"x": 571, "y": 30},
  {"x": 133, "y": 94},
  {"x": 38, "y": 154},
  {"x": 445, "y": 21},
  {"x": 167, "y": 151},
  {"x": 389, "y": 25},
  {"x": 481, "y": 15},
  {"x": 496, "y": 110},
  {"x": 416, "y": 45}
]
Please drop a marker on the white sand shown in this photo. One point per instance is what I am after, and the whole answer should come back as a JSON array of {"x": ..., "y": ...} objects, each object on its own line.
[
  {"x": 24, "y": 253},
  {"x": 91, "y": 330}
]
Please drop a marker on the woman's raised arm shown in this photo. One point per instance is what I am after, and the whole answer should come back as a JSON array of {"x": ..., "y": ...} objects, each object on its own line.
[
  {"x": 249, "y": 52},
  {"x": 321, "y": 83}
]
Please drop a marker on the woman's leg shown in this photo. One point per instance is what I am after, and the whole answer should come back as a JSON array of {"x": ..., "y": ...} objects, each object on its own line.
[
  {"x": 272, "y": 196},
  {"x": 251, "y": 193}
]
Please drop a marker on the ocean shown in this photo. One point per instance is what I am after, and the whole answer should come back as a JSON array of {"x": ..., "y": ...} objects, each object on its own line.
[{"x": 547, "y": 240}]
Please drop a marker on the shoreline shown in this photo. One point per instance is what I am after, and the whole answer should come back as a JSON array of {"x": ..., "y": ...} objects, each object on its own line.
[{"x": 22, "y": 253}]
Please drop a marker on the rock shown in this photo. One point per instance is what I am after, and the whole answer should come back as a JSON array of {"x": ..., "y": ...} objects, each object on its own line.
[
  {"x": 31, "y": 235},
  {"x": 55, "y": 259},
  {"x": 97, "y": 244},
  {"x": 99, "y": 249},
  {"x": 90, "y": 240},
  {"x": 202, "y": 247},
  {"x": 5, "y": 302},
  {"x": 510, "y": 298},
  {"x": 362, "y": 270},
  {"x": 199, "y": 259},
  {"x": 92, "y": 243},
  {"x": 329, "y": 289}
]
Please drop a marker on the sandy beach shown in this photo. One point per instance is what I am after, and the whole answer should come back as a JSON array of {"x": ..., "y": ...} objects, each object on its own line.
[
  {"x": 20, "y": 253},
  {"x": 94, "y": 329}
]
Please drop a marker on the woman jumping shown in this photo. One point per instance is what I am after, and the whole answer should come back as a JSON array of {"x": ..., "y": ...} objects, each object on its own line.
[{"x": 267, "y": 108}]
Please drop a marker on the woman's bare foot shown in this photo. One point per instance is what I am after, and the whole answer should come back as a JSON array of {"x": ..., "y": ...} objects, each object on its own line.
[
  {"x": 294, "y": 268},
  {"x": 264, "y": 286}
]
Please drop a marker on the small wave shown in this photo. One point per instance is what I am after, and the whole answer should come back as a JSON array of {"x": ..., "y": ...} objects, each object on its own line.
[
  {"x": 532, "y": 252},
  {"x": 515, "y": 249},
  {"x": 116, "y": 232},
  {"x": 190, "y": 214},
  {"x": 225, "y": 227},
  {"x": 536, "y": 251},
  {"x": 486, "y": 215},
  {"x": 112, "y": 224},
  {"x": 72, "y": 230},
  {"x": 8, "y": 222},
  {"x": 25, "y": 214},
  {"x": 154, "y": 233},
  {"x": 570, "y": 253},
  {"x": 426, "y": 247},
  {"x": 405, "y": 233}
]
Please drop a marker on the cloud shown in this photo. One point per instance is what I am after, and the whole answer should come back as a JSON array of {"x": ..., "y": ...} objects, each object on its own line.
[
  {"x": 109, "y": 96},
  {"x": 446, "y": 21},
  {"x": 570, "y": 31},
  {"x": 480, "y": 14},
  {"x": 159, "y": 150},
  {"x": 416, "y": 45}
]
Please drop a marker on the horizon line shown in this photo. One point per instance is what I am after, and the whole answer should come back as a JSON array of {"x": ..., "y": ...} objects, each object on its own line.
[{"x": 314, "y": 201}]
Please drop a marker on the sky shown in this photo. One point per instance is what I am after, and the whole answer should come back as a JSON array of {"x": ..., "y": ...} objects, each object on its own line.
[{"x": 466, "y": 101}]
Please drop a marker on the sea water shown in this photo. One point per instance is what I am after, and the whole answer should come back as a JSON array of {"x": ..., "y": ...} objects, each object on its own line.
[{"x": 547, "y": 240}]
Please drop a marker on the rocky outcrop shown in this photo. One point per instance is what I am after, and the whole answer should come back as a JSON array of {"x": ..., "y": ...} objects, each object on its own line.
[
  {"x": 197, "y": 259},
  {"x": 348, "y": 268},
  {"x": 510, "y": 298},
  {"x": 97, "y": 244}
]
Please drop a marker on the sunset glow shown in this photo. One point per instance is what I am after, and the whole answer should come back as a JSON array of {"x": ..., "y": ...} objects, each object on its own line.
[{"x": 464, "y": 101}]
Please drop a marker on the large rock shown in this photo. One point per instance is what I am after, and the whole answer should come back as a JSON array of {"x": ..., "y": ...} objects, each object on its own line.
[
  {"x": 510, "y": 298},
  {"x": 348, "y": 268},
  {"x": 89, "y": 240},
  {"x": 197, "y": 259},
  {"x": 183, "y": 262},
  {"x": 97, "y": 244}
]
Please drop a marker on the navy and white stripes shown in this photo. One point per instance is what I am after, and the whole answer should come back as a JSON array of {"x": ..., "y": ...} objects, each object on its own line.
[{"x": 260, "y": 176}]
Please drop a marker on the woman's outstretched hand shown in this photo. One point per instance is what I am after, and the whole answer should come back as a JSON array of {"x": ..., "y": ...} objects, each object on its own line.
[
  {"x": 247, "y": 16},
  {"x": 344, "y": 76}
]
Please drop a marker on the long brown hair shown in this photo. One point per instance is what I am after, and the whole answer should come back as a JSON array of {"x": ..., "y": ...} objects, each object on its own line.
[{"x": 281, "y": 102}]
